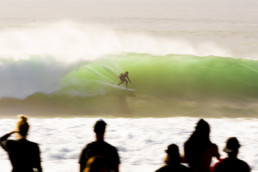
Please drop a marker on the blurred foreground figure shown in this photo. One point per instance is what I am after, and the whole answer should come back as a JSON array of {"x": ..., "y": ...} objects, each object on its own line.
[
  {"x": 100, "y": 148},
  {"x": 23, "y": 154},
  {"x": 199, "y": 150},
  {"x": 173, "y": 161},
  {"x": 96, "y": 164},
  {"x": 231, "y": 163}
]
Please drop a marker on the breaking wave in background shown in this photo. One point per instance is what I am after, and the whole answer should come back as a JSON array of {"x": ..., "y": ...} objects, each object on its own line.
[{"x": 77, "y": 67}]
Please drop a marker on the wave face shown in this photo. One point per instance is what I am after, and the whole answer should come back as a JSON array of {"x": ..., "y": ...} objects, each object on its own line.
[
  {"x": 165, "y": 85},
  {"x": 168, "y": 76}
]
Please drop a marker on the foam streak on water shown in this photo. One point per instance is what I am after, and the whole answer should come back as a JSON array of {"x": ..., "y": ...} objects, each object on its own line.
[{"x": 140, "y": 142}]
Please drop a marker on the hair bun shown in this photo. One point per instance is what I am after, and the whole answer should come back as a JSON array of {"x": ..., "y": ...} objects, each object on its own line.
[
  {"x": 22, "y": 125},
  {"x": 23, "y": 118}
]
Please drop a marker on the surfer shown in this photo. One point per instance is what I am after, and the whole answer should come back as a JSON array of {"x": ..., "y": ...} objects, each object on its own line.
[{"x": 124, "y": 78}]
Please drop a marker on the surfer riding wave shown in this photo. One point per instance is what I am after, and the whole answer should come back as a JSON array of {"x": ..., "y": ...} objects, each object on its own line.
[{"x": 124, "y": 78}]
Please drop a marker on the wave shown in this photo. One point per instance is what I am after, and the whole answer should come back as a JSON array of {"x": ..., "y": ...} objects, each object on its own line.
[
  {"x": 165, "y": 85},
  {"x": 165, "y": 76},
  {"x": 22, "y": 78},
  {"x": 68, "y": 68}
]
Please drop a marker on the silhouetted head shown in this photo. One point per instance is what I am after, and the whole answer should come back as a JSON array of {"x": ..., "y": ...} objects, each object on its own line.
[
  {"x": 22, "y": 125},
  {"x": 173, "y": 154},
  {"x": 203, "y": 127},
  {"x": 99, "y": 127},
  {"x": 232, "y": 146},
  {"x": 126, "y": 73}
]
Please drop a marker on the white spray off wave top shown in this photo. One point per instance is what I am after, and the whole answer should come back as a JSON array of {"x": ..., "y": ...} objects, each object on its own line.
[
  {"x": 35, "y": 58},
  {"x": 88, "y": 42}
]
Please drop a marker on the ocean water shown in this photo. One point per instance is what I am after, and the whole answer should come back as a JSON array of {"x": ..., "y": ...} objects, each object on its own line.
[
  {"x": 60, "y": 64},
  {"x": 140, "y": 141}
]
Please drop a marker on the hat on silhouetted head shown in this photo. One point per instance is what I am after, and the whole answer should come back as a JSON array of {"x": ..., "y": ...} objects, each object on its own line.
[
  {"x": 100, "y": 126},
  {"x": 232, "y": 145},
  {"x": 173, "y": 154},
  {"x": 172, "y": 149}
]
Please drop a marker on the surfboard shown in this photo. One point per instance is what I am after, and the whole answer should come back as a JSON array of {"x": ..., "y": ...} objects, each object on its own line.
[{"x": 118, "y": 86}]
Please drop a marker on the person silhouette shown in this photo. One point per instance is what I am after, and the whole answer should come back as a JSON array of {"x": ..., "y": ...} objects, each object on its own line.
[
  {"x": 100, "y": 148},
  {"x": 199, "y": 150},
  {"x": 231, "y": 163},
  {"x": 23, "y": 154},
  {"x": 124, "y": 78},
  {"x": 173, "y": 161}
]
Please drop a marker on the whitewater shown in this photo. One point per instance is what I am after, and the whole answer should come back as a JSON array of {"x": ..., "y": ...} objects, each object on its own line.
[
  {"x": 60, "y": 62},
  {"x": 140, "y": 142}
]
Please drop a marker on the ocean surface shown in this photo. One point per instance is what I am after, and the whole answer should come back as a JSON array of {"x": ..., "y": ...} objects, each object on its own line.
[
  {"x": 60, "y": 63},
  {"x": 140, "y": 141}
]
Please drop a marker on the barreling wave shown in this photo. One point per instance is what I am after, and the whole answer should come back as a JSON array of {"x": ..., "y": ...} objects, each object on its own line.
[
  {"x": 166, "y": 76},
  {"x": 165, "y": 85}
]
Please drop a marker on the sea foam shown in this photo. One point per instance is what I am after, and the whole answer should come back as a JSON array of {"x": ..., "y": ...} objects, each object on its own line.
[{"x": 141, "y": 142}]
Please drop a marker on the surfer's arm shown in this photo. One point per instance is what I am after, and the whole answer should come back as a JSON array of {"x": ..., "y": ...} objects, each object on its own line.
[{"x": 128, "y": 78}]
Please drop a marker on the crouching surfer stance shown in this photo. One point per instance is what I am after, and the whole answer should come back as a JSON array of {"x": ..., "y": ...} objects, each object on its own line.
[{"x": 124, "y": 78}]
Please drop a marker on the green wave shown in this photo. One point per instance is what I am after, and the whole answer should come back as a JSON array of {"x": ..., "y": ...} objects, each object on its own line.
[
  {"x": 171, "y": 85},
  {"x": 170, "y": 75}
]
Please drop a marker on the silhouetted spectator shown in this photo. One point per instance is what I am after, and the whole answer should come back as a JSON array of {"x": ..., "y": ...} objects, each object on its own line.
[
  {"x": 100, "y": 148},
  {"x": 198, "y": 148},
  {"x": 96, "y": 164},
  {"x": 231, "y": 163},
  {"x": 173, "y": 161},
  {"x": 23, "y": 154}
]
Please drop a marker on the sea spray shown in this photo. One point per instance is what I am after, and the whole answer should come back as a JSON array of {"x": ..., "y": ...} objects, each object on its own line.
[{"x": 71, "y": 42}]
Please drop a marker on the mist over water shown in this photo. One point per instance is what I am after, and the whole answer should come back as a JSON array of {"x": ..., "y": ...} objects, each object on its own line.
[{"x": 69, "y": 42}]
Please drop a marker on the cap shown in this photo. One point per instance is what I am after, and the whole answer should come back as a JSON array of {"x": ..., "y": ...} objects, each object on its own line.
[
  {"x": 172, "y": 149},
  {"x": 232, "y": 145}
]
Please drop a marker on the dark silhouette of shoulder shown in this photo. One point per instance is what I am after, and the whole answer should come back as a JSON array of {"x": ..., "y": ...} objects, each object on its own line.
[
  {"x": 15, "y": 144},
  {"x": 103, "y": 149},
  {"x": 23, "y": 154},
  {"x": 169, "y": 168},
  {"x": 232, "y": 165}
]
